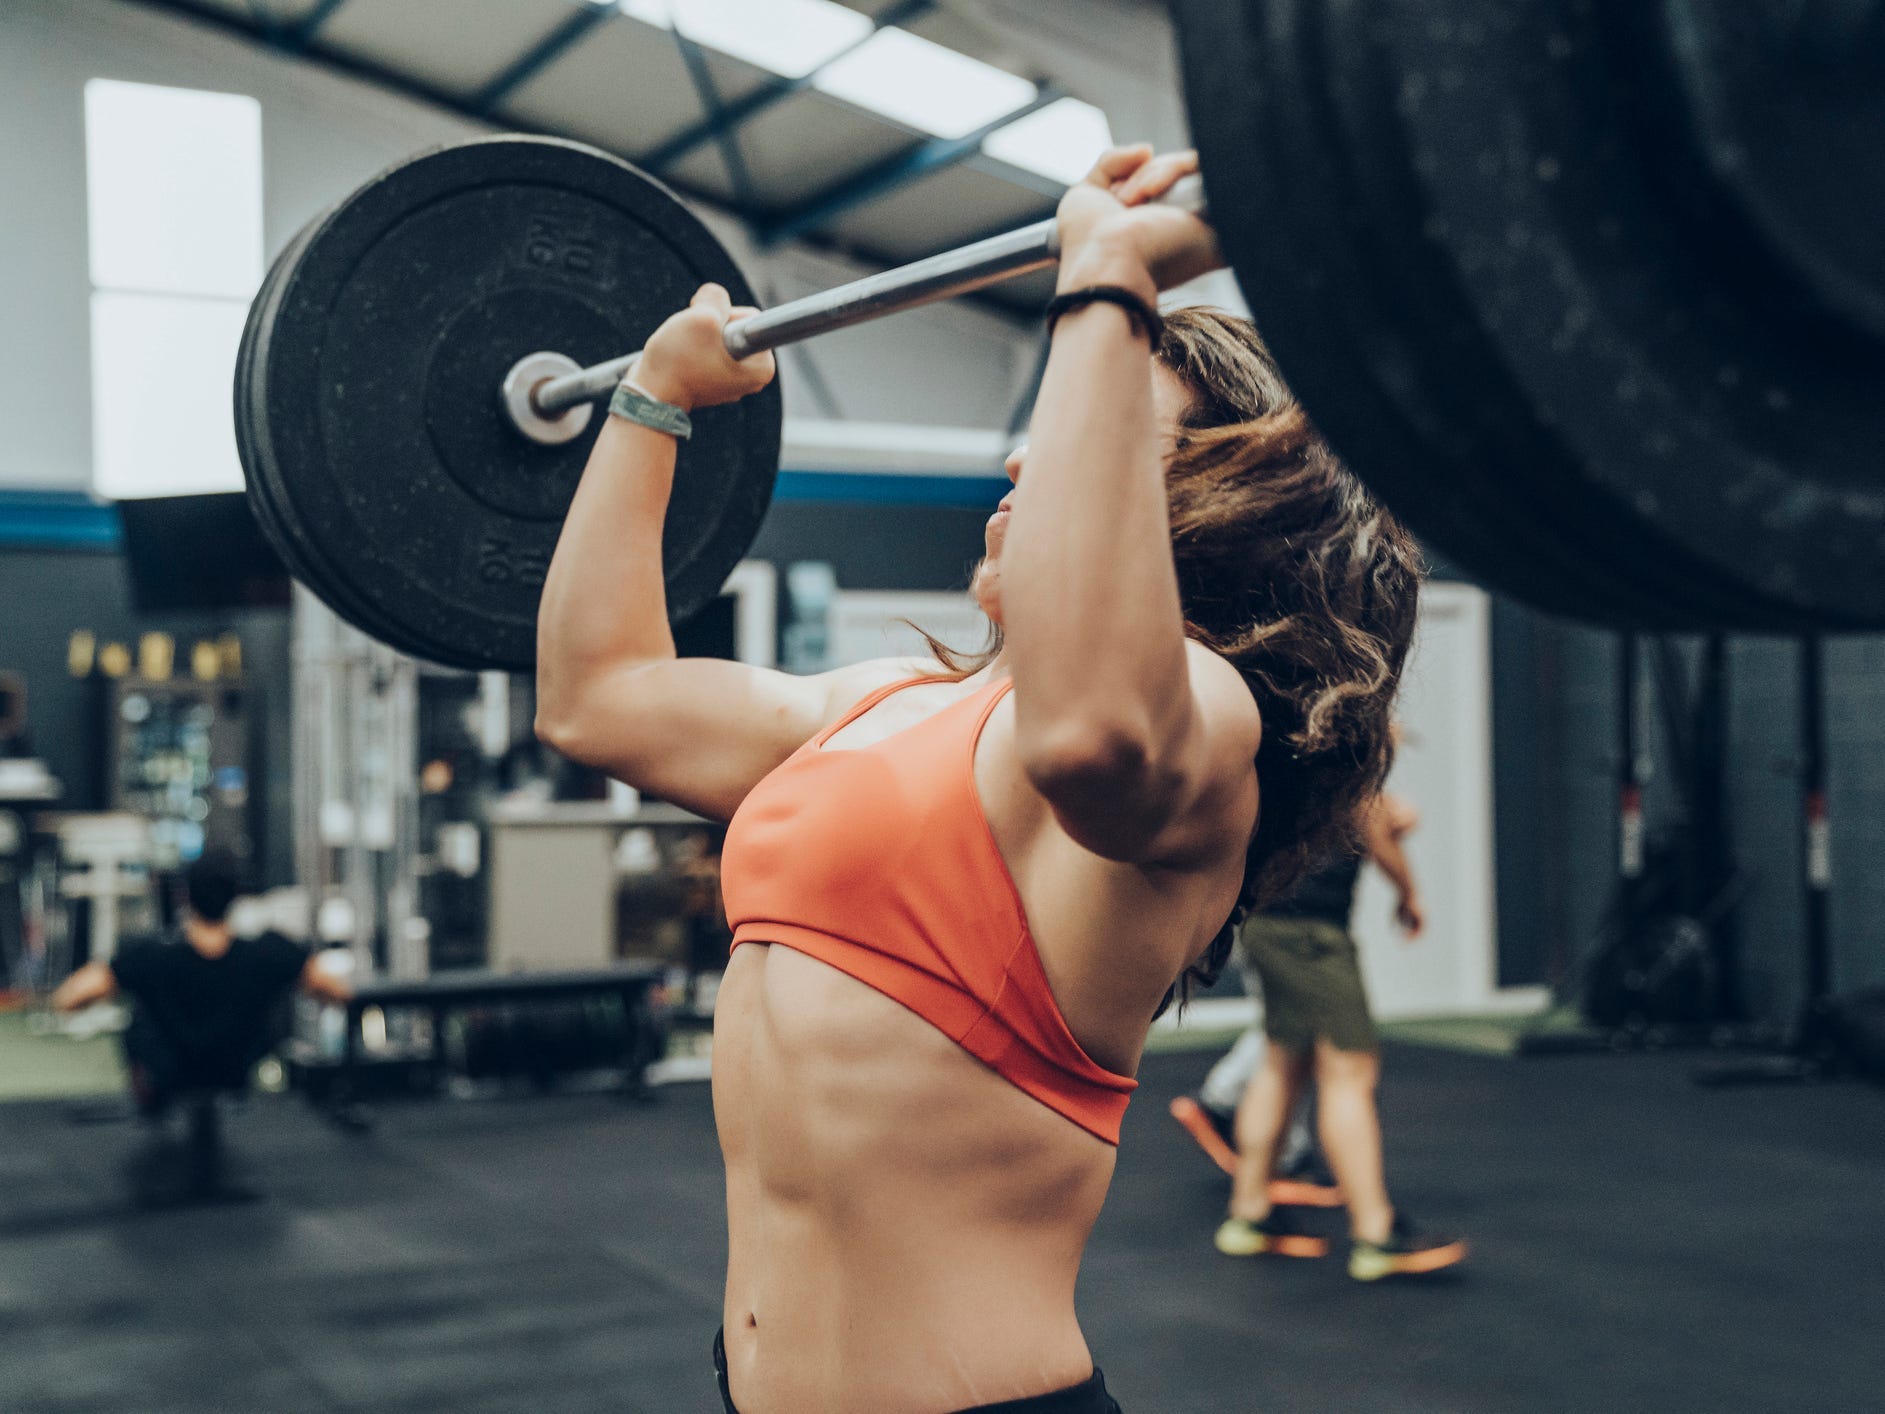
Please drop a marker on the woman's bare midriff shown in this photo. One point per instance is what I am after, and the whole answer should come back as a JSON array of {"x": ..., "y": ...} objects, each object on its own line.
[{"x": 905, "y": 1226}]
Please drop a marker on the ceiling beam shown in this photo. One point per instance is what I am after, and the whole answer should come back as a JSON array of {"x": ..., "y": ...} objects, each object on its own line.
[
  {"x": 726, "y": 135},
  {"x": 278, "y": 42},
  {"x": 303, "y": 34},
  {"x": 874, "y": 183},
  {"x": 405, "y": 86},
  {"x": 744, "y": 110},
  {"x": 545, "y": 52}
]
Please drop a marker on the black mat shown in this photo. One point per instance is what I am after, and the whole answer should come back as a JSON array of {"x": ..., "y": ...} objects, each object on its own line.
[{"x": 1639, "y": 1245}]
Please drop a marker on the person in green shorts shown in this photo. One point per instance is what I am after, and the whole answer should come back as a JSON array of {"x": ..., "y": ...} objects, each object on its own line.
[{"x": 1317, "y": 1023}]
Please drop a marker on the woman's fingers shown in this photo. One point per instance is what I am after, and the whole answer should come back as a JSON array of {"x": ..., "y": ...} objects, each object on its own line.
[
  {"x": 761, "y": 362},
  {"x": 1136, "y": 174},
  {"x": 1154, "y": 178},
  {"x": 1118, "y": 163},
  {"x": 712, "y": 296}
]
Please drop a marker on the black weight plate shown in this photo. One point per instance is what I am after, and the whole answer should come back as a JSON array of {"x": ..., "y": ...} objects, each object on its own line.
[
  {"x": 334, "y": 584},
  {"x": 419, "y": 512},
  {"x": 1734, "y": 433},
  {"x": 1533, "y": 524},
  {"x": 1330, "y": 306},
  {"x": 331, "y": 582},
  {"x": 251, "y": 405},
  {"x": 1773, "y": 114},
  {"x": 261, "y": 500},
  {"x": 264, "y": 514},
  {"x": 251, "y": 410},
  {"x": 1490, "y": 292}
]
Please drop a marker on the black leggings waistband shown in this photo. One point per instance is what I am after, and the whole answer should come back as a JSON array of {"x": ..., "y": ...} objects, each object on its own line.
[{"x": 1087, "y": 1397}]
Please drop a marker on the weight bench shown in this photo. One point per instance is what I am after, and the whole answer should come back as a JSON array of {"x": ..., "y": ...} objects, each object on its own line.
[{"x": 446, "y": 993}]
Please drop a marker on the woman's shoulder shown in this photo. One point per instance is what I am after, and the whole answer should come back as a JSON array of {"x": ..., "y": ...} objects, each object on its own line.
[
  {"x": 1225, "y": 702},
  {"x": 845, "y": 687}
]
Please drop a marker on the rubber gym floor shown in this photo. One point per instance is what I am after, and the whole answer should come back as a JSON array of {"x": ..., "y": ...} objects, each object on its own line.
[{"x": 1640, "y": 1244}]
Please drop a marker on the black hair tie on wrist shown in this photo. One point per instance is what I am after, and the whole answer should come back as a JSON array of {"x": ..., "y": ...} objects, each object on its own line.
[{"x": 1145, "y": 319}]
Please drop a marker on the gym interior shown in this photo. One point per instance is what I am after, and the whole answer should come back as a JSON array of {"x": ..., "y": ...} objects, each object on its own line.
[{"x": 1589, "y": 296}]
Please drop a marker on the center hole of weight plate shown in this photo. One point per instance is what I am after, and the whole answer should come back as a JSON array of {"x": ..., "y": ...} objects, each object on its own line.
[
  {"x": 476, "y": 442},
  {"x": 519, "y": 393}
]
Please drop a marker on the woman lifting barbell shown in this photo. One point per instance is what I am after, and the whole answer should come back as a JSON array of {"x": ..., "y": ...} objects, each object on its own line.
[{"x": 961, "y": 889}]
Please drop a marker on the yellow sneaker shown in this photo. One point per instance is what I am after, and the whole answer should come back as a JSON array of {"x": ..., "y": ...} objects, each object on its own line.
[
  {"x": 1275, "y": 1236},
  {"x": 1407, "y": 1252}
]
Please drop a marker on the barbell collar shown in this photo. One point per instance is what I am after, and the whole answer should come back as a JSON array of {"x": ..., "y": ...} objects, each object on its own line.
[
  {"x": 527, "y": 375},
  {"x": 945, "y": 276}
]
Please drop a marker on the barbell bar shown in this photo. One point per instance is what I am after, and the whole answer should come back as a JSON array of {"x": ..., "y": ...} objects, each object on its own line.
[{"x": 549, "y": 400}]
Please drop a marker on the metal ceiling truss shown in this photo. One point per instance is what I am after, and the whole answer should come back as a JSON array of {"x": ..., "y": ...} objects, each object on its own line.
[
  {"x": 913, "y": 164},
  {"x": 726, "y": 134},
  {"x": 526, "y": 66},
  {"x": 299, "y": 36},
  {"x": 734, "y": 115},
  {"x": 924, "y": 158}
]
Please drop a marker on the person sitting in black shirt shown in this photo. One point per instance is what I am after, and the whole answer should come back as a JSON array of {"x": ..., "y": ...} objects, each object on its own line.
[{"x": 203, "y": 999}]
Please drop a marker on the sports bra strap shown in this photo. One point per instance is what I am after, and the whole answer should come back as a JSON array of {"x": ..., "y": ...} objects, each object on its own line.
[
  {"x": 1002, "y": 688},
  {"x": 863, "y": 705},
  {"x": 871, "y": 699}
]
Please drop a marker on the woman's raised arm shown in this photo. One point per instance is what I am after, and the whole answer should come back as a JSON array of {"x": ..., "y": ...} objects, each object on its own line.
[
  {"x": 610, "y": 691},
  {"x": 1121, "y": 726}
]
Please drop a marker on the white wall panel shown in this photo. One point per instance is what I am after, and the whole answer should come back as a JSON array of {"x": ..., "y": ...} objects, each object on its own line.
[{"x": 1444, "y": 767}]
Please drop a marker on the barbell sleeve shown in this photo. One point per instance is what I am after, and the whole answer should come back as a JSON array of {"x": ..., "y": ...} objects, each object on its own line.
[{"x": 953, "y": 272}]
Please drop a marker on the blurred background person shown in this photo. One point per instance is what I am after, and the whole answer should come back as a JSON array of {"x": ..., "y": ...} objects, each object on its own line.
[{"x": 1317, "y": 1024}]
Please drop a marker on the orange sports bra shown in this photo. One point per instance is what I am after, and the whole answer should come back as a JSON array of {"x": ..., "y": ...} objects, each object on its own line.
[{"x": 879, "y": 862}]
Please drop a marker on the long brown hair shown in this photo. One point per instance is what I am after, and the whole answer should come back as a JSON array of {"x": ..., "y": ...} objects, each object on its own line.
[{"x": 1294, "y": 573}]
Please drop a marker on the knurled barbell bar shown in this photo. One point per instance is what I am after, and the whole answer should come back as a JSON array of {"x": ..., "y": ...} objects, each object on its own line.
[{"x": 549, "y": 398}]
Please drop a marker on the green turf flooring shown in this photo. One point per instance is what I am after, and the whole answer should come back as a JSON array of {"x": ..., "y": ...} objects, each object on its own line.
[
  {"x": 1494, "y": 1035},
  {"x": 38, "y": 1063},
  {"x": 1476, "y": 1035}
]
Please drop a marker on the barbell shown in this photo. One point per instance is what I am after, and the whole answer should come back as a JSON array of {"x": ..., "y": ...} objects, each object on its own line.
[
  {"x": 549, "y": 399},
  {"x": 1589, "y": 291}
]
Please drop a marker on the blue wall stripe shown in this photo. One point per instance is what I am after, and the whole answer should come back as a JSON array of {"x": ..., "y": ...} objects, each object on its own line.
[
  {"x": 877, "y": 488},
  {"x": 64, "y": 520},
  {"x": 58, "y": 520}
]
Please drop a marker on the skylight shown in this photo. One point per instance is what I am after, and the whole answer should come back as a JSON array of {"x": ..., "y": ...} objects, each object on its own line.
[
  {"x": 1059, "y": 142},
  {"x": 174, "y": 189},
  {"x": 785, "y": 37},
  {"x": 923, "y": 85},
  {"x": 161, "y": 370},
  {"x": 174, "y": 194}
]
